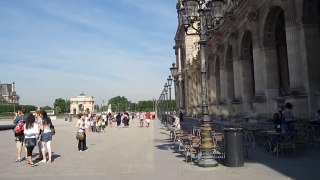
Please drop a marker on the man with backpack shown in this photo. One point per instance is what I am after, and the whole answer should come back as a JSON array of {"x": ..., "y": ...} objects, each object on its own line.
[{"x": 19, "y": 121}]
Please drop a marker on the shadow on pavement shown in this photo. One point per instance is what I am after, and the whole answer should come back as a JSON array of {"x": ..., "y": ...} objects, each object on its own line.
[{"x": 300, "y": 164}]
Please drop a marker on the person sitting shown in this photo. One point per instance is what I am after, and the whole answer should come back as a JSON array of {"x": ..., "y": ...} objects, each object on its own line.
[
  {"x": 176, "y": 123},
  {"x": 288, "y": 115},
  {"x": 278, "y": 119},
  {"x": 316, "y": 118},
  {"x": 288, "y": 134}
]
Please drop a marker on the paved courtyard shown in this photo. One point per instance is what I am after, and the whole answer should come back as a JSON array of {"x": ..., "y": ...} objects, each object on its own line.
[{"x": 143, "y": 153}]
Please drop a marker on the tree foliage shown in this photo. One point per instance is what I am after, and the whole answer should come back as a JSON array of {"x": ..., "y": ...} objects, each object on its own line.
[
  {"x": 46, "y": 108},
  {"x": 167, "y": 105},
  {"x": 118, "y": 103},
  {"x": 63, "y": 105},
  {"x": 6, "y": 108},
  {"x": 96, "y": 108},
  {"x": 145, "y": 105}
]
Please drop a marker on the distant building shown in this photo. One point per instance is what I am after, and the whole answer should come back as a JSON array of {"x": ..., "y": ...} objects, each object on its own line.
[
  {"x": 8, "y": 94},
  {"x": 81, "y": 104}
]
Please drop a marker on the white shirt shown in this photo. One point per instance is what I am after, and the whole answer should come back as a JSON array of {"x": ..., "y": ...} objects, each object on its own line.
[
  {"x": 32, "y": 132},
  {"x": 81, "y": 124}
]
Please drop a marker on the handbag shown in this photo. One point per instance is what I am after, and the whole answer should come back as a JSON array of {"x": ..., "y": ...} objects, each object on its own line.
[
  {"x": 30, "y": 142},
  {"x": 53, "y": 131},
  {"x": 80, "y": 136}
]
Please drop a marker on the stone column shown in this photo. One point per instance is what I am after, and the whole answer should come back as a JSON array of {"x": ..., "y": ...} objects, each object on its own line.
[
  {"x": 258, "y": 66},
  {"x": 293, "y": 48},
  {"x": 308, "y": 28},
  {"x": 223, "y": 84},
  {"x": 272, "y": 77},
  {"x": 236, "y": 65},
  {"x": 247, "y": 93}
]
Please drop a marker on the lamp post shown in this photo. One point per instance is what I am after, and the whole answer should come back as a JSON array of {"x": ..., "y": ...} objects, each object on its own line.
[
  {"x": 166, "y": 95},
  {"x": 174, "y": 72},
  {"x": 169, "y": 85},
  {"x": 162, "y": 97},
  {"x": 209, "y": 14}
]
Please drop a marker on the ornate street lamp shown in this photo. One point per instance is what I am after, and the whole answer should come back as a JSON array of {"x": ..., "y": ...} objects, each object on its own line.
[
  {"x": 174, "y": 70},
  {"x": 169, "y": 85},
  {"x": 209, "y": 14},
  {"x": 166, "y": 95},
  {"x": 174, "y": 73}
]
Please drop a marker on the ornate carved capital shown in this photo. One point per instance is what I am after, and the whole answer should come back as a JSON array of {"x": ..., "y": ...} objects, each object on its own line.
[
  {"x": 253, "y": 15},
  {"x": 220, "y": 47},
  {"x": 233, "y": 34}
]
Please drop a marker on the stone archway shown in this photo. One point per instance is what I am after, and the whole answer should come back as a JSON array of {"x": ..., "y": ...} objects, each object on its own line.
[
  {"x": 248, "y": 84},
  {"x": 81, "y": 108},
  {"x": 74, "y": 111},
  {"x": 277, "y": 56}
]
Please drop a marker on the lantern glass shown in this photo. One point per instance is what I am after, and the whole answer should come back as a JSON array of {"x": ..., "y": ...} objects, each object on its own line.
[
  {"x": 169, "y": 81},
  {"x": 209, "y": 18},
  {"x": 174, "y": 70},
  {"x": 183, "y": 17},
  {"x": 218, "y": 11},
  {"x": 191, "y": 8},
  {"x": 165, "y": 87}
]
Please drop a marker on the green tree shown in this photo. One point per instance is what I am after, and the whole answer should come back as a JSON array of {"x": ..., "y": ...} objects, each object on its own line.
[
  {"x": 5, "y": 108},
  {"x": 118, "y": 103},
  {"x": 145, "y": 105},
  {"x": 62, "y": 105},
  {"x": 28, "y": 108},
  {"x": 96, "y": 108},
  {"x": 46, "y": 108},
  {"x": 103, "y": 108},
  {"x": 57, "y": 110}
]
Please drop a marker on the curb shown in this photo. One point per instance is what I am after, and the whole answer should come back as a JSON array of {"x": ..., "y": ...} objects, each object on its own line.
[{"x": 6, "y": 127}]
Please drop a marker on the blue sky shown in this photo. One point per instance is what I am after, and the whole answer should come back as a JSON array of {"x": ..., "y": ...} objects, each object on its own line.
[{"x": 105, "y": 48}]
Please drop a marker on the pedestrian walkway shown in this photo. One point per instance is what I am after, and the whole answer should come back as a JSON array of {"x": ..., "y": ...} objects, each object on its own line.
[{"x": 138, "y": 153}]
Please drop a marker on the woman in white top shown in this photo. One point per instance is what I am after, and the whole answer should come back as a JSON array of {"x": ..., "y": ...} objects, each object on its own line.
[
  {"x": 46, "y": 137},
  {"x": 31, "y": 133},
  {"x": 81, "y": 125},
  {"x": 176, "y": 123}
]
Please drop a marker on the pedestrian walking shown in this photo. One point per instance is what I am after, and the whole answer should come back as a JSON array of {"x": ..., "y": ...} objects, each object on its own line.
[
  {"x": 148, "y": 118},
  {"x": 110, "y": 119},
  {"x": 82, "y": 144},
  {"x": 125, "y": 119},
  {"x": 46, "y": 137},
  {"x": 31, "y": 134},
  {"x": 118, "y": 119},
  {"x": 38, "y": 120},
  {"x": 19, "y": 121},
  {"x": 103, "y": 124},
  {"x": 141, "y": 118}
]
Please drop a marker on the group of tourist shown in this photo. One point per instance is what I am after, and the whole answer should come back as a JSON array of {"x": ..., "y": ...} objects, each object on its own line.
[
  {"x": 97, "y": 123},
  {"x": 31, "y": 131}
]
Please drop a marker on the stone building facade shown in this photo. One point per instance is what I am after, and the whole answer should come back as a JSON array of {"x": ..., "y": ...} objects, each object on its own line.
[
  {"x": 81, "y": 104},
  {"x": 265, "y": 54},
  {"x": 8, "y": 94}
]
